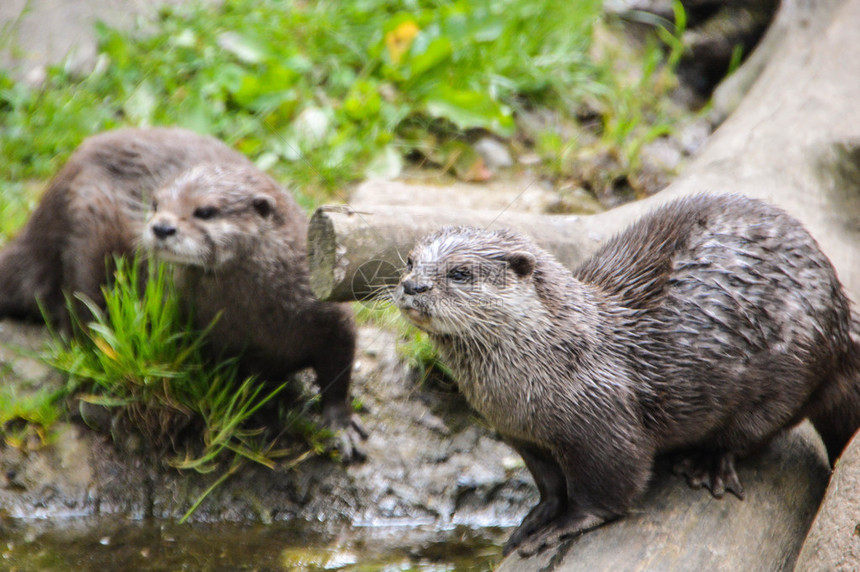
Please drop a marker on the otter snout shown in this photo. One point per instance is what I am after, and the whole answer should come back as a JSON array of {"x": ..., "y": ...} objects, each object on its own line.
[
  {"x": 162, "y": 225},
  {"x": 163, "y": 229},
  {"x": 412, "y": 287},
  {"x": 166, "y": 237},
  {"x": 414, "y": 307}
]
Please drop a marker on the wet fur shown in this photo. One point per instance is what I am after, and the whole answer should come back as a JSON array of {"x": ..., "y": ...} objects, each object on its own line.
[
  {"x": 96, "y": 207},
  {"x": 709, "y": 326}
]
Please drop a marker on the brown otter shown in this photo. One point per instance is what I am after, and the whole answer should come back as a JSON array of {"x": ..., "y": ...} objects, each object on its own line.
[
  {"x": 706, "y": 328},
  {"x": 238, "y": 237}
]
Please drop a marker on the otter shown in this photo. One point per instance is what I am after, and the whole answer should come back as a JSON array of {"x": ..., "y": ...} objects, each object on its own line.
[
  {"x": 93, "y": 208},
  {"x": 236, "y": 238},
  {"x": 703, "y": 330}
]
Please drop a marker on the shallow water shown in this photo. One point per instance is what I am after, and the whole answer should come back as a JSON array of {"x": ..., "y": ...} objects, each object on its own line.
[{"x": 108, "y": 543}]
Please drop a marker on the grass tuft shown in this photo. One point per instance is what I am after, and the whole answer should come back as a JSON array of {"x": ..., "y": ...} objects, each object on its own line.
[{"x": 141, "y": 359}]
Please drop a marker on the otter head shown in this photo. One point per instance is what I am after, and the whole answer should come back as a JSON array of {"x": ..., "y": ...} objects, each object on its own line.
[
  {"x": 468, "y": 281},
  {"x": 211, "y": 215}
]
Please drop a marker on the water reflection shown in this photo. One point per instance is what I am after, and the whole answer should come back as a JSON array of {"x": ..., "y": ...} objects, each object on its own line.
[{"x": 106, "y": 544}]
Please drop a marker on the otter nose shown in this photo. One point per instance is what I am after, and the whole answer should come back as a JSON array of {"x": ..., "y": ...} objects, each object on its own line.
[
  {"x": 411, "y": 287},
  {"x": 163, "y": 230}
]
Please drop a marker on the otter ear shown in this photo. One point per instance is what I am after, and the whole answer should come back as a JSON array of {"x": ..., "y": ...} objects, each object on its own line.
[
  {"x": 264, "y": 205},
  {"x": 522, "y": 263}
]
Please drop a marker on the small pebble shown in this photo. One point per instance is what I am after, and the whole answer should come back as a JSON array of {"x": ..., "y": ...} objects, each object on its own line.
[{"x": 494, "y": 153}]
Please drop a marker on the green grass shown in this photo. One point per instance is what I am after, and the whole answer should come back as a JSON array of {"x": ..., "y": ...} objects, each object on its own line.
[
  {"x": 413, "y": 345},
  {"x": 323, "y": 92},
  {"x": 15, "y": 205},
  {"x": 27, "y": 417}
]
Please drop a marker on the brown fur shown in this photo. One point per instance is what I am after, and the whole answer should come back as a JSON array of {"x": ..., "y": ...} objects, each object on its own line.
[
  {"x": 256, "y": 277},
  {"x": 707, "y": 327}
]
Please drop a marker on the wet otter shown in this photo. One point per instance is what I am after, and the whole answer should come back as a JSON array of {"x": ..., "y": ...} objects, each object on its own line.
[
  {"x": 706, "y": 328},
  {"x": 238, "y": 237},
  {"x": 239, "y": 243}
]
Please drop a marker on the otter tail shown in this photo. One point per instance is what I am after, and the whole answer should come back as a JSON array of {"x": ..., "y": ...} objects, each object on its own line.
[{"x": 838, "y": 416}]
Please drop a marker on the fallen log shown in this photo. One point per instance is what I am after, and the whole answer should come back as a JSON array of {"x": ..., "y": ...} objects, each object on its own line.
[
  {"x": 674, "y": 527},
  {"x": 833, "y": 542}
]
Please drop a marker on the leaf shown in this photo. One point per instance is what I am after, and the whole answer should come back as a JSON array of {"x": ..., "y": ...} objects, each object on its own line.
[
  {"x": 400, "y": 38},
  {"x": 437, "y": 51},
  {"x": 386, "y": 165},
  {"x": 268, "y": 91},
  {"x": 141, "y": 104},
  {"x": 105, "y": 348},
  {"x": 363, "y": 101},
  {"x": 469, "y": 109},
  {"x": 104, "y": 400},
  {"x": 246, "y": 49}
]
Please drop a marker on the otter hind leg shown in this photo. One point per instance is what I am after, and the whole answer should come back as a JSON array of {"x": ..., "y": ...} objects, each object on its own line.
[
  {"x": 835, "y": 411},
  {"x": 714, "y": 470}
]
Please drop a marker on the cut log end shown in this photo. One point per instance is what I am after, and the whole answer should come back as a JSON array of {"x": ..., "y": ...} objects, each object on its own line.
[{"x": 322, "y": 247}]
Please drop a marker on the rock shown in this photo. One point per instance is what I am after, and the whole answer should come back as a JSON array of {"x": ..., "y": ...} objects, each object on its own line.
[
  {"x": 833, "y": 542},
  {"x": 659, "y": 163},
  {"x": 677, "y": 528},
  {"x": 692, "y": 136},
  {"x": 495, "y": 154},
  {"x": 47, "y": 32}
]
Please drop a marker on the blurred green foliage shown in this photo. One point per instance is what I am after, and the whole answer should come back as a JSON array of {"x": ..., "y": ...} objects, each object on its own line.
[{"x": 317, "y": 91}]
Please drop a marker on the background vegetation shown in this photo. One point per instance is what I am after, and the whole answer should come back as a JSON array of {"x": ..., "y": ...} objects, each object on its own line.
[{"x": 322, "y": 93}]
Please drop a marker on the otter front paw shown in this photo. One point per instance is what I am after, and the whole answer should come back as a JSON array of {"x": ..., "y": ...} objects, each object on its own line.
[
  {"x": 556, "y": 531},
  {"x": 348, "y": 433},
  {"x": 541, "y": 515}
]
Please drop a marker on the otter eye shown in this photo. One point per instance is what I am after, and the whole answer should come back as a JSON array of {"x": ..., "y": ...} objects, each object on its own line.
[
  {"x": 409, "y": 264},
  {"x": 204, "y": 213},
  {"x": 154, "y": 205},
  {"x": 460, "y": 275}
]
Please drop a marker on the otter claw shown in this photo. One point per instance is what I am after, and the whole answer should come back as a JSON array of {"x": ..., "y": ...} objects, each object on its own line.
[
  {"x": 556, "y": 532},
  {"x": 348, "y": 433},
  {"x": 346, "y": 443},
  {"x": 716, "y": 471}
]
